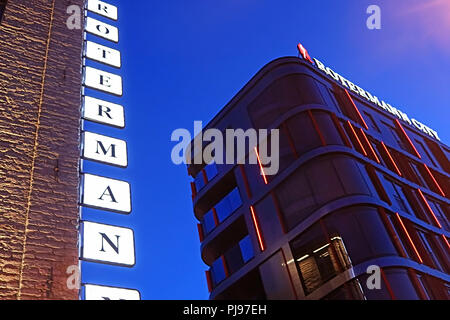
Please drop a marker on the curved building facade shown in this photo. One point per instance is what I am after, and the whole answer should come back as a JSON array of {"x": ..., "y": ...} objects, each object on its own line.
[{"x": 357, "y": 187}]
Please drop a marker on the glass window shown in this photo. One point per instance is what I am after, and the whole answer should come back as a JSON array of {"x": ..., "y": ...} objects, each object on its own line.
[
  {"x": 234, "y": 259},
  {"x": 439, "y": 213},
  {"x": 431, "y": 249},
  {"x": 424, "y": 152},
  {"x": 363, "y": 233},
  {"x": 349, "y": 171},
  {"x": 370, "y": 121},
  {"x": 327, "y": 128},
  {"x": 246, "y": 249},
  {"x": 316, "y": 259},
  {"x": 394, "y": 137},
  {"x": 199, "y": 181},
  {"x": 418, "y": 174},
  {"x": 396, "y": 194},
  {"x": 211, "y": 171},
  {"x": 296, "y": 198},
  {"x": 269, "y": 222},
  {"x": 282, "y": 95},
  {"x": 401, "y": 284},
  {"x": 208, "y": 222},
  {"x": 303, "y": 133},
  {"x": 228, "y": 204},
  {"x": 218, "y": 271}
]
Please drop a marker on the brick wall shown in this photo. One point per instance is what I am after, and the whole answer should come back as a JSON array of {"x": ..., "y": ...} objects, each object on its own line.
[{"x": 40, "y": 81}]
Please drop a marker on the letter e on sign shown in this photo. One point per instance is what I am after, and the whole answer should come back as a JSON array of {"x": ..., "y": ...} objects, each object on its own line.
[
  {"x": 105, "y": 193},
  {"x": 103, "y": 81},
  {"x": 107, "y": 244},
  {"x": 96, "y": 292},
  {"x": 102, "y": 8}
]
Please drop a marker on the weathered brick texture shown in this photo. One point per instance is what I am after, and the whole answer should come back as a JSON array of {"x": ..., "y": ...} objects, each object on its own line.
[{"x": 40, "y": 81}]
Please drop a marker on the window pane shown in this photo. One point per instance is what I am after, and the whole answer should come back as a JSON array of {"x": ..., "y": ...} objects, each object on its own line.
[
  {"x": 199, "y": 181},
  {"x": 303, "y": 134},
  {"x": 211, "y": 171},
  {"x": 246, "y": 249},
  {"x": 228, "y": 204},
  {"x": 218, "y": 271},
  {"x": 208, "y": 222}
]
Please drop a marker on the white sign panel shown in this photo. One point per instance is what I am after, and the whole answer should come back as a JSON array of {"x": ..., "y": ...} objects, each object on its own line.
[
  {"x": 102, "y": 29},
  {"x": 104, "y": 112},
  {"x": 103, "y": 9},
  {"x": 104, "y": 149},
  {"x": 96, "y": 292},
  {"x": 108, "y": 244},
  {"x": 105, "y": 193},
  {"x": 103, "y": 81},
  {"x": 103, "y": 54}
]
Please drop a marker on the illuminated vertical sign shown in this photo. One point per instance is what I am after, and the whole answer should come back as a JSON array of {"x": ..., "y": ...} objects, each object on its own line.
[{"x": 103, "y": 243}]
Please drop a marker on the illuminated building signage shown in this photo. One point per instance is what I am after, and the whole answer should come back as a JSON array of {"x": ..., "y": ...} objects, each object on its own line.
[
  {"x": 104, "y": 149},
  {"x": 102, "y": 8},
  {"x": 103, "y": 112},
  {"x": 103, "y": 54},
  {"x": 107, "y": 244},
  {"x": 103, "y": 81},
  {"x": 95, "y": 292},
  {"x": 105, "y": 193},
  {"x": 102, "y": 29},
  {"x": 104, "y": 243},
  {"x": 366, "y": 95}
]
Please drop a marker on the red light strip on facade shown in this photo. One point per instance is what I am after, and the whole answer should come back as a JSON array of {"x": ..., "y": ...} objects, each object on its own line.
[
  {"x": 428, "y": 207},
  {"x": 258, "y": 232},
  {"x": 393, "y": 235},
  {"x": 409, "y": 238},
  {"x": 338, "y": 125},
  {"x": 225, "y": 266},
  {"x": 370, "y": 145},
  {"x": 260, "y": 166},
  {"x": 205, "y": 177},
  {"x": 434, "y": 180},
  {"x": 316, "y": 126},
  {"x": 391, "y": 159},
  {"x": 216, "y": 218},
  {"x": 356, "y": 109},
  {"x": 357, "y": 138},
  {"x": 200, "y": 231},
  {"x": 388, "y": 285},
  {"x": 446, "y": 241},
  {"x": 209, "y": 280},
  {"x": 407, "y": 138}
]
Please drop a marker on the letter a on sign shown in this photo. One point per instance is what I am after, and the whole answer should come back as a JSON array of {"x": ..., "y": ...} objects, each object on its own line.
[
  {"x": 104, "y": 149},
  {"x": 107, "y": 244},
  {"x": 102, "y": 29},
  {"x": 103, "y": 81},
  {"x": 104, "y": 193},
  {"x": 96, "y": 292},
  {"x": 103, "y": 112},
  {"x": 103, "y": 9}
]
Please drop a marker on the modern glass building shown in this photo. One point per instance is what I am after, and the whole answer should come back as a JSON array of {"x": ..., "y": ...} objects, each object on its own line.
[{"x": 359, "y": 184}]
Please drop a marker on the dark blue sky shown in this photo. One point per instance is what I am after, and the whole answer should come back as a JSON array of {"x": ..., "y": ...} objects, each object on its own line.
[{"x": 184, "y": 60}]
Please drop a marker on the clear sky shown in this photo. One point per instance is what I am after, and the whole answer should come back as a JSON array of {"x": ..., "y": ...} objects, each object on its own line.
[{"x": 184, "y": 60}]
